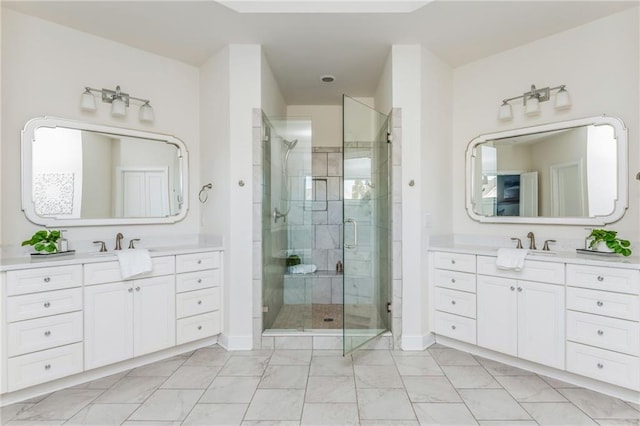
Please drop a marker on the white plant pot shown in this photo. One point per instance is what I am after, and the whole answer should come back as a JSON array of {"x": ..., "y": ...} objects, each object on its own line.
[{"x": 602, "y": 247}]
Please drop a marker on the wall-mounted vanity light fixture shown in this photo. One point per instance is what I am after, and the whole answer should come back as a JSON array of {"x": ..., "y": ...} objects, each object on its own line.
[
  {"x": 119, "y": 102},
  {"x": 532, "y": 99}
]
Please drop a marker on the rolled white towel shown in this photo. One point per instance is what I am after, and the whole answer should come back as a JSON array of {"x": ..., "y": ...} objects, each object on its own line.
[
  {"x": 302, "y": 269},
  {"x": 511, "y": 259},
  {"x": 134, "y": 262}
]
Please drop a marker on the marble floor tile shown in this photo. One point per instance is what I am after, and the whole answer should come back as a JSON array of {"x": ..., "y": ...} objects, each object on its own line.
[
  {"x": 508, "y": 423},
  {"x": 60, "y": 405},
  {"x": 331, "y": 366},
  {"x": 493, "y": 404},
  {"x": 208, "y": 357},
  {"x": 331, "y": 389},
  {"x": 557, "y": 384},
  {"x": 377, "y": 376},
  {"x": 600, "y": 406},
  {"x": 167, "y": 404},
  {"x": 557, "y": 414},
  {"x": 34, "y": 423},
  {"x": 229, "y": 390},
  {"x": 191, "y": 377},
  {"x": 327, "y": 352},
  {"x": 216, "y": 415},
  {"x": 284, "y": 377},
  {"x": 163, "y": 368},
  {"x": 244, "y": 366},
  {"x": 617, "y": 422},
  {"x": 384, "y": 404},
  {"x": 500, "y": 369},
  {"x": 446, "y": 356},
  {"x": 430, "y": 389},
  {"x": 276, "y": 404},
  {"x": 290, "y": 357},
  {"x": 472, "y": 377},
  {"x": 444, "y": 414},
  {"x": 103, "y": 414},
  {"x": 418, "y": 366},
  {"x": 389, "y": 423},
  {"x": 151, "y": 423},
  {"x": 270, "y": 423},
  {"x": 530, "y": 389},
  {"x": 103, "y": 383},
  {"x": 131, "y": 390},
  {"x": 372, "y": 357},
  {"x": 9, "y": 412},
  {"x": 330, "y": 414}
]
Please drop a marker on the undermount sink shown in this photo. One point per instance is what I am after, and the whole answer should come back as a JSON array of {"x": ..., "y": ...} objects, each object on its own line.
[{"x": 542, "y": 252}]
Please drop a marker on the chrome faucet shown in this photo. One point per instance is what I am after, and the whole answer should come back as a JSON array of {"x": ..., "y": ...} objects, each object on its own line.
[
  {"x": 532, "y": 242},
  {"x": 119, "y": 238}
]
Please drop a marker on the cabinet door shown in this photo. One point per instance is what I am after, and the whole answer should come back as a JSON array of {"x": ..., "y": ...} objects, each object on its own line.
[
  {"x": 154, "y": 311},
  {"x": 497, "y": 315},
  {"x": 541, "y": 323},
  {"x": 108, "y": 323}
]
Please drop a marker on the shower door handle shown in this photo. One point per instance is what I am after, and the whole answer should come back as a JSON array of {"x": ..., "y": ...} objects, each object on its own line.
[{"x": 355, "y": 234}]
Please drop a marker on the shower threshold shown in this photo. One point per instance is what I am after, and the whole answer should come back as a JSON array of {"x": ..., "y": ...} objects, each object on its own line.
[{"x": 316, "y": 332}]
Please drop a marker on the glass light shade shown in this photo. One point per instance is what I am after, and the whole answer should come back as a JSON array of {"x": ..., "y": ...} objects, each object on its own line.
[
  {"x": 563, "y": 101},
  {"x": 533, "y": 106},
  {"x": 87, "y": 101},
  {"x": 505, "y": 112},
  {"x": 146, "y": 113},
  {"x": 118, "y": 108}
]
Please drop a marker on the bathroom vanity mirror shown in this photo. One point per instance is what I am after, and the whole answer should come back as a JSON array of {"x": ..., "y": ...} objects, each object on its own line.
[
  {"x": 571, "y": 173},
  {"x": 82, "y": 174}
]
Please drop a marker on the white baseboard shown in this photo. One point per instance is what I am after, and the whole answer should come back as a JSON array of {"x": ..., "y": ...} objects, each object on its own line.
[
  {"x": 417, "y": 343},
  {"x": 236, "y": 343}
]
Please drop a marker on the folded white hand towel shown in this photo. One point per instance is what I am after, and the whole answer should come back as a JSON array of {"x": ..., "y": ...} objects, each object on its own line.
[
  {"x": 510, "y": 258},
  {"x": 134, "y": 262},
  {"x": 302, "y": 269}
]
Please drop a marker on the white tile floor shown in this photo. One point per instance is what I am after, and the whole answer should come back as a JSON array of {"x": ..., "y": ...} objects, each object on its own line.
[{"x": 302, "y": 387}]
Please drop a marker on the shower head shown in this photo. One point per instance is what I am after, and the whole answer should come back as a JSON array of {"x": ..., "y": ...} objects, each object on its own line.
[{"x": 289, "y": 144}]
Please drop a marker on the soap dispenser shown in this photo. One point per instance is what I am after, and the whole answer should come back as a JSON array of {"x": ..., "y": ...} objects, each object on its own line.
[{"x": 63, "y": 243}]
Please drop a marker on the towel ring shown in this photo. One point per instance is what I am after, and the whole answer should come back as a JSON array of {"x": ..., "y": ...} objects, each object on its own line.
[{"x": 203, "y": 195}]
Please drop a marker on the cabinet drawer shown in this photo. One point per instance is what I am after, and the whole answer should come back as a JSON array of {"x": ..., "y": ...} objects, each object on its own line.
[
  {"x": 533, "y": 270},
  {"x": 604, "y": 278},
  {"x": 43, "y": 279},
  {"x": 455, "y": 280},
  {"x": 44, "y": 333},
  {"x": 197, "y": 280},
  {"x": 197, "y": 327},
  {"x": 38, "y": 305},
  {"x": 43, "y": 366},
  {"x": 197, "y": 302},
  {"x": 615, "y": 305},
  {"x": 455, "y": 302},
  {"x": 600, "y": 364},
  {"x": 455, "y": 261},
  {"x": 608, "y": 333},
  {"x": 109, "y": 272},
  {"x": 456, "y": 327},
  {"x": 197, "y": 261}
]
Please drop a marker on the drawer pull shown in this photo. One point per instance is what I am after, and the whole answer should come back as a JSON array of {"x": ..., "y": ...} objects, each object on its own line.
[
  {"x": 47, "y": 304},
  {"x": 47, "y": 367},
  {"x": 599, "y": 303},
  {"x": 600, "y": 332},
  {"x": 512, "y": 288},
  {"x": 600, "y": 366},
  {"x": 130, "y": 290},
  {"x": 600, "y": 278},
  {"x": 47, "y": 333},
  {"x": 453, "y": 327},
  {"x": 199, "y": 280},
  {"x": 138, "y": 288},
  {"x": 453, "y": 280},
  {"x": 199, "y": 327},
  {"x": 453, "y": 262},
  {"x": 199, "y": 261},
  {"x": 520, "y": 289},
  {"x": 47, "y": 279},
  {"x": 453, "y": 302}
]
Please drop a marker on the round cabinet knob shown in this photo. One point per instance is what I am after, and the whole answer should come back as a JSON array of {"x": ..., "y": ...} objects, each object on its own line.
[
  {"x": 600, "y": 366},
  {"x": 519, "y": 288},
  {"x": 47, "y": 333},
  {"x": 453, "y": 262},
  {"x": 199, "y": 327},
  {"x": 47, "y": 304},
  {"x": 47, "y": 279},
  {"x": 138, "y": 288},
  {"x": 512, "y": 288},
  {"x": 600, "y": 278},
  {"x": 600, "y": 332},
  {"x": 130, "y": 290},
  {"x": 453, "y": 302},
  {"x": 453, "y": 327},
  {"x": 453, "y": 280},
  {"x": 47, "y": 367},
  {"x": 199, "y": 280},
  {"x": 199, "y": 302},
  {"x": 199, "y": 261},
  {"x": 599, "y": 303}
]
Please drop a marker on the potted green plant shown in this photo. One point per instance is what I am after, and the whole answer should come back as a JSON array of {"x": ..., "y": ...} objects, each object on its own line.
[
  {"x": 605, "y": 240},
  {"x": 44, "y": 241}
]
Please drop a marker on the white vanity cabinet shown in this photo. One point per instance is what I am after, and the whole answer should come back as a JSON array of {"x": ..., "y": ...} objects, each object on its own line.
[{"x": 124, "y": 319}]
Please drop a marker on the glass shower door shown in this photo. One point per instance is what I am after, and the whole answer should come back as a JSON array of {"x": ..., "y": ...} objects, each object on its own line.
[{"x": 366, "y": 228}]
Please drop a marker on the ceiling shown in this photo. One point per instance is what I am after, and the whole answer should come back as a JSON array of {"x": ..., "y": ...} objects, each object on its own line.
[{"x": 300, "y": 47}]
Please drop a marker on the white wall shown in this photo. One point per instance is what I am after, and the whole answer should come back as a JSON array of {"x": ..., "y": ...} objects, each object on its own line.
[
  {"x": 273, "y": 103},
  {"x": 45, "y": 67},
  {"x": 599, "y": 63},
  {"x": 326, "y": 122},
  {"x": 383, "y": 95}
]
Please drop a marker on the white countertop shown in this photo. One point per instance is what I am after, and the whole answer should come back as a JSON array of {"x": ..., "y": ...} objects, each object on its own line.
[
  {"x": 618, "y": 261},
  {"x": 8, "y": 264}
]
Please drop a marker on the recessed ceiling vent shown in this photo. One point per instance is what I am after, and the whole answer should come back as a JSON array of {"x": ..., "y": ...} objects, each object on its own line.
[{"x": 327, "y": 78}]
